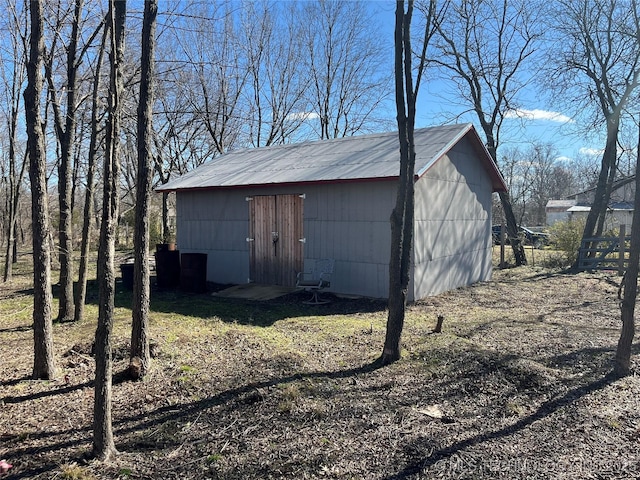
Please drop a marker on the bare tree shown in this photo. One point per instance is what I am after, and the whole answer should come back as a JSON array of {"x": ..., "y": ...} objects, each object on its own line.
[
  {"x": 219, "y": 75},
  {"x": 141, "y": 287},
  {"x": 278, "y": 78},
  {"x": 43, "y": 365},
  {"x": 177, "y": 140},
  {"x": 406, "y": 92},
  {"x": 343, "y": 61},
  {"x": 90, "y": 182},
  {"x": 17, "y": 161},
  {"x": 516, "y": 168},
  {"x": 103, "y": 444},
  {"x": 65, "y": 127},
  {"x": 597, "y": 68},
  {"x": 622, "y": 362},
  {"x": 550, "y": 180},
  {"x": 485, "y": 46}
]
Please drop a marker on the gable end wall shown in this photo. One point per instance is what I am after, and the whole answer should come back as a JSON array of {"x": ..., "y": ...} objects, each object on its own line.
[{"x": 452, "y": 240}]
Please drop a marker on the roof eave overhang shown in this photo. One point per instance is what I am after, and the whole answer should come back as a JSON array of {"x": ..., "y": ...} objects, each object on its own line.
[{"x": 275, "y": 185}]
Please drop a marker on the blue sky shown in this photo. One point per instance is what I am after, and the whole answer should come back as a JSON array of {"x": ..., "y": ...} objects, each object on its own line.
[{"x": 537, "y": 122}]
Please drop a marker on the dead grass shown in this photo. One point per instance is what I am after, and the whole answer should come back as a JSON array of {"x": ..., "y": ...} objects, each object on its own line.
[{"x": 515, "y": 386}]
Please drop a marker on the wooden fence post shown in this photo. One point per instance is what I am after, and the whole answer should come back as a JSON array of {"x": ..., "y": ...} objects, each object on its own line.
[
  {"x": 621, "y": 251},
  {"x": 503, "y": 232}
]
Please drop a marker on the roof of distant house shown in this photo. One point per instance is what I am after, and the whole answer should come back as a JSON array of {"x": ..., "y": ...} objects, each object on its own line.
[
  {"x": 617, "y": 184},
  {"x": 615, "y": 206},
  {"x": 561, "y": 203}
]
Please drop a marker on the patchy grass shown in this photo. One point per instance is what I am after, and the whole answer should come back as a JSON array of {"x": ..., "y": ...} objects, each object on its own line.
[{"x": 515, "y": 386}]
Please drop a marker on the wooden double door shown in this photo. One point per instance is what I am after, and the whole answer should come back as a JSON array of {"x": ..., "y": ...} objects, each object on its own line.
[{"x": 276, "y": 238}]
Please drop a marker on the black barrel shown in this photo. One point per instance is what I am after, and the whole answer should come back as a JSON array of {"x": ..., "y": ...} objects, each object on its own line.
[
  {"x": 193, "y": 272},
  {"x": 167, "y": 268},
  {"x": 126, "y": 270}
]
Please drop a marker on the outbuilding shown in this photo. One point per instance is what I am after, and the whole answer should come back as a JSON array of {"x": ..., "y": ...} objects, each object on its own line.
[{"x": 264, "y": 214}]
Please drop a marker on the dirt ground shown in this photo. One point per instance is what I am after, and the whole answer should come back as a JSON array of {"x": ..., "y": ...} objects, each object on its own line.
[{"x": 515, "y": 386}]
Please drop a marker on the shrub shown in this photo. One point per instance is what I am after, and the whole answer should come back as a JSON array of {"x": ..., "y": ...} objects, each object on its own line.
[{"x": 566, "y": 237}]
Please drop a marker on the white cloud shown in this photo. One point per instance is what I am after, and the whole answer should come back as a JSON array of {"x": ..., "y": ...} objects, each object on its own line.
[
  {"x": 591, "y": 151},
  {"x": 302, "y": 116},
  {"x": 537, "y": 114}
]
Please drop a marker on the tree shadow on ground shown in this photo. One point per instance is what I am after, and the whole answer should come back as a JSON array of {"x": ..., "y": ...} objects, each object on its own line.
[
  {"x": 546, "y": 409},
  {"x": 62, "y": 389},
  {"x": 126, "y": 425},
  {"x": 19, "y": 328},
  {"x": 15, "y": 381},
  {"x": 75, "y": 437},
  {"x": 246, "y": 312}
]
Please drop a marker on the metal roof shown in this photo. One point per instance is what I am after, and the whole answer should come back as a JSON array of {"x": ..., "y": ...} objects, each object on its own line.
[
  {"x": 365, "y": 157},
  {"x": 613, "y": 206},
  {"x": 561, "y": 203}
]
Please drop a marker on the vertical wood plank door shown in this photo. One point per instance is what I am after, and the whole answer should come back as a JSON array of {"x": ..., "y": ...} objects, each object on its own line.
[{"x": 276, "y": 252}]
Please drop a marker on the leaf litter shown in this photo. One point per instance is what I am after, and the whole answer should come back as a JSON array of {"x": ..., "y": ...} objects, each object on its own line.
[{"x": 515, "y": 386}]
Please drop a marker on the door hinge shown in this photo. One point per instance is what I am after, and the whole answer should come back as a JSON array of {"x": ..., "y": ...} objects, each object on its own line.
[
  {"x": 302, "y": 240},
  {"x": 250, "y": 239},
  {"x": 248, "y": 199}
]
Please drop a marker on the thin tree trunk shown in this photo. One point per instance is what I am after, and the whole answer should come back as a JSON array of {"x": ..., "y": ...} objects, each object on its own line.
[
  {"x": 15, "y": 179},
  {"x": 166, "y": 230},
  {"x": 65, "y": 130},
  {"x": 103, "y": 443},
  {"x": 622, "y": 362},
  {"x": 89, "y": 192},
  {"x": 512, "y": 229},
  {"x": 141, "y": 279},
  {"x": 402, "y": 215},
  {"x": 505, "y": 199},
  {"x": 595, "y": 219},
  {"x": 43, "y": 365}
]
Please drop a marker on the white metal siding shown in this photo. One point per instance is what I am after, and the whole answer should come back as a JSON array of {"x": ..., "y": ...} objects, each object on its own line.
[
  {"x": 452, "y": 241},
  {"x": 349, "y": 222},
  {"x": 215, "y": 223}
]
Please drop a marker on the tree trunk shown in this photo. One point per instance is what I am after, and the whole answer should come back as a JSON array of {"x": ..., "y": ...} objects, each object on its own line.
[
  {"x": 103, "y": 443},
  {"x": 89, "y": 192},
  {"x": 43, "y": 365},
  {"x": 15, "y": 178},
  {"x": 512, "y": 230},
  {"x": 166, "y": 229},
  {"x": 593, "y": 227},
  {"x": 505, "y": 199},
  {"x": 141, "y": 287},
  {"x": 622, "y": 362},
  {"x": 402, "y": 215},
  {"x": 65, "y": 130},
  {"x": 11, "y": 233}
]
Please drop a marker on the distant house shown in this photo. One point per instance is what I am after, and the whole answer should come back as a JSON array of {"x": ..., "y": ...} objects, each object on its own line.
[
  {"x": 618, "y": 213},
  {"x": 623, "y": 190},
  {"x": 264, "y": 214},
  {"x": 578, "y": 205},
  {"x": 558, "y": 210}
]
